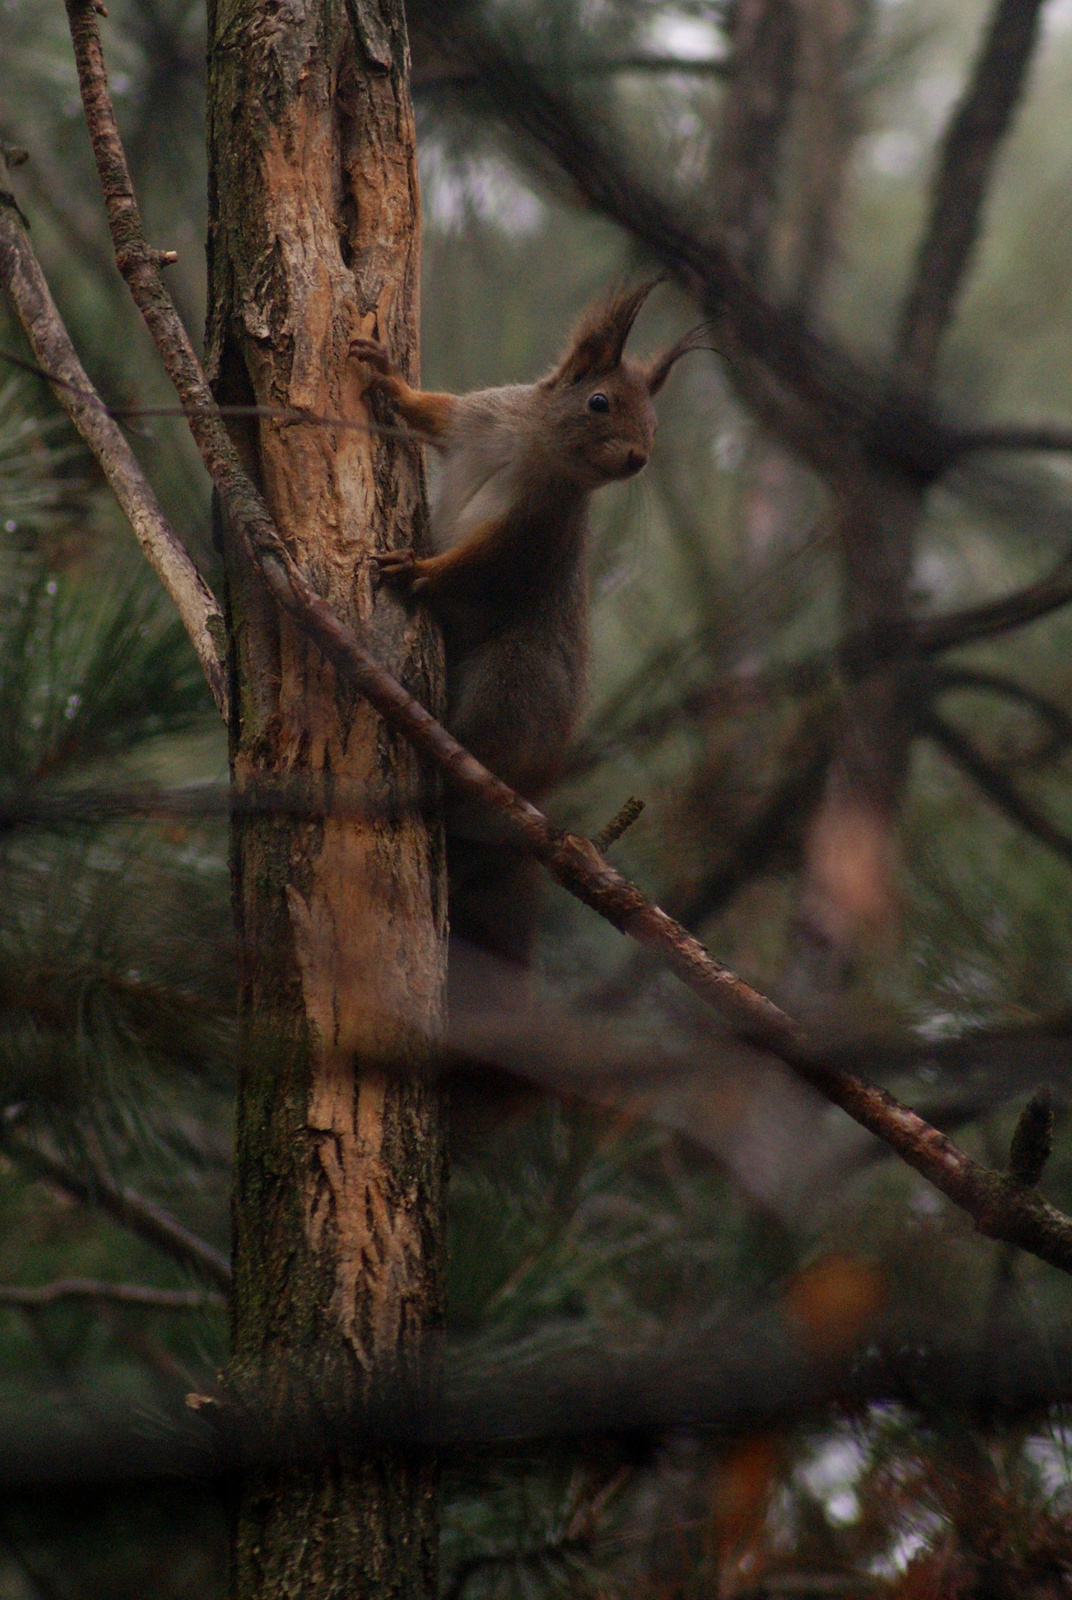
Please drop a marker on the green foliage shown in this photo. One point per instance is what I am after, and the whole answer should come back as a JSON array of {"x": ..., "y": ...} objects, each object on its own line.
[
  {"x": 575, "y": 1230},
  {"x": 116, "y": 996}
]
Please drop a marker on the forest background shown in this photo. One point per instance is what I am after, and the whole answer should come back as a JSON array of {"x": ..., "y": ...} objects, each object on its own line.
[{"x": 709, "y": 1234}]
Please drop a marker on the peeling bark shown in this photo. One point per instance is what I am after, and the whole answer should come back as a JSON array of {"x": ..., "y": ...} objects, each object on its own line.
[{"x": 314, "y": 219}]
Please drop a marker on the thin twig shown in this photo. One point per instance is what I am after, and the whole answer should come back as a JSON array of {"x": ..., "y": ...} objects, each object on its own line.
[
  {"x": 621, "y": 821},
  {"x": 24, "y": 283},
  {"x": 293, "y": 415},
  {"x": 302, "y": 795},
  {"x": 429, "y": 80},
  {"x": 1044, "y": 439},
  {"x": 141, "y": 1216},
  {"x": 126, "y": 1294},
  {"x": 999, "y": 1210},
  {"x": 995, "y": 784},
  {"x": 1057, "y": 721}
]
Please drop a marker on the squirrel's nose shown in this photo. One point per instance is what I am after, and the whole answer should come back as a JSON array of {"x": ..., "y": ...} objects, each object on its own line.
[{"x": 635, "y": 460}]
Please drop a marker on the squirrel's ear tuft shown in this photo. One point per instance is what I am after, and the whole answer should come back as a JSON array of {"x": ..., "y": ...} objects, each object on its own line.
[
  {"x": 599, "y": 338},
  {"x": 659, "y": 366}
]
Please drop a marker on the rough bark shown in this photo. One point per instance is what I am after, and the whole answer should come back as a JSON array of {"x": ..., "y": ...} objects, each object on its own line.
[{"x": 338, "y": 1286}]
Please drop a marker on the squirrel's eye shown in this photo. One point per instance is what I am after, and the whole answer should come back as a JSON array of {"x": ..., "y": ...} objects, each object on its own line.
[{"x": 598, "y": 402}]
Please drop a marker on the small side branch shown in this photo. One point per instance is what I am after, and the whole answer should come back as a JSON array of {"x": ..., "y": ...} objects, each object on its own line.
[
  {"x": 1000, "y": 1208},
  {"x": 621, "y": 821},
  {"x": 123, "y": 1294},
  {"x": 995, "y": 784},
  {"x": 150, "y": 1221},
  {"x": 1032, "y": 1140},
  {"x": 25, "y": 286}
]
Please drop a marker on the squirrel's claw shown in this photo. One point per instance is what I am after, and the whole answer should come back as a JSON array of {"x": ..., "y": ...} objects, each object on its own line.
[
  {"x": 373, "y": 353},
  {"x": 396, "y": 566}
]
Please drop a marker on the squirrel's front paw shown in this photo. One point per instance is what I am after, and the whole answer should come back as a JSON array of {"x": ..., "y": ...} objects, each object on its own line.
[
  {"x": 397, "y": 567},
  {"x": 373, "y": 353}
]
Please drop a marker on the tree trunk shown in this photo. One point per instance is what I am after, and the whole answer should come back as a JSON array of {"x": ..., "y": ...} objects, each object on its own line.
[{"x": 314, "y": 239}]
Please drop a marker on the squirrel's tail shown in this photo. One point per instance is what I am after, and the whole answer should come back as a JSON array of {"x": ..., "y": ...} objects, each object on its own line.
[
  {"x": 494, "y": 895},
  {"x": 493, "y": 888}
]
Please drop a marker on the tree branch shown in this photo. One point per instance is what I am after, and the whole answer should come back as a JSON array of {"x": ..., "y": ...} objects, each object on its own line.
[
  {"x": 999, "y": 1208},
  {"x": 808, "y": 392},
  {"x": 969, "y": 151},
  {"x": 747, "y": 161},
  {"x": 1043, "y": 439},
  {"x": 1057, "y": 720},
  {"x": 300, "y": 795},
  {"x": 125, "y": 1294},
  {"x": 861, "y": 652},
  {"x": 429, "y": 78},
  {"x": 995, "y": 785},
  {"x": 24, "y": 283},
  {"x": 151, "y": 1222}
]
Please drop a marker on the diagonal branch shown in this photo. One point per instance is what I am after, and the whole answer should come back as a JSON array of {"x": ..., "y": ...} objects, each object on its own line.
[
  {"x": 24, "y": 283},
  {"x": 809, "y": 392},
  {"x": 1055, "y": 718},
  {"x": 747, "y": 163},
  {"x": 999, "y": 1208},
  {"x": 151, "y": 1222},
  {"x": 968, "y": 154},
  {"x": 995, "y": 784}
]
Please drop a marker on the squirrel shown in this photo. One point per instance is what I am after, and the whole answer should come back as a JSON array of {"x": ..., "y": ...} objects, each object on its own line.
[{"x": 507, "y": 581}]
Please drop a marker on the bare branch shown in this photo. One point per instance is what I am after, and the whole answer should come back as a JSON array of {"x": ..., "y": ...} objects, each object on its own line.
[
  {"x": 141, "y": 1216},
  {"x": 862, "y": 652},
  {"x": 810, "y": 393},
  {"x": 289, "y": 414},
  {"x": 24, "y": 283},
  {"x": 755, "y": 114},
  {"x": 427, "y": 79},
  {"x": 125, "y": 1294},
  {"x": 999, "y": 1209},
  {"x": 1042, "y": 439},
  {"x": 621, "y": 821},
  {"x": 300, "y": 795},
  {"x": 969, "y": 151},
  {"x": 1057, "y": 721},
  {"x": 996, "y": 785},
  {"x": 1032, "y": 1139}
]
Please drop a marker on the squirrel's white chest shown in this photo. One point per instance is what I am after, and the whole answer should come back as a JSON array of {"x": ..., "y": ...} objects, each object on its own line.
[{"x": 480, "y": 470}]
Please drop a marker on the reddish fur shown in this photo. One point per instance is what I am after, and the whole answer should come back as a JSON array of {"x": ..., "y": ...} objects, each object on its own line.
[{"x": 509, "y": 592}]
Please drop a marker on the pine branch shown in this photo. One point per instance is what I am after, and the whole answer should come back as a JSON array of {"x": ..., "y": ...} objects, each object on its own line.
[
  {"x": 124, "y": 1294},
  {"x": 150, "y": 1221},
  {"x": 1043, "y": 439},
  {"x": 24, "y": 283},
  {"x": 1056, "y": 719},
  {"x": 999, "y": 1209},
  {"x": 969, "y": 152},
  {"x": 301, "y": 795},
  {"x": 995, "y": 785},
  {"x": 810, "y": 393},
  {"x": 440, "y": 76}
]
